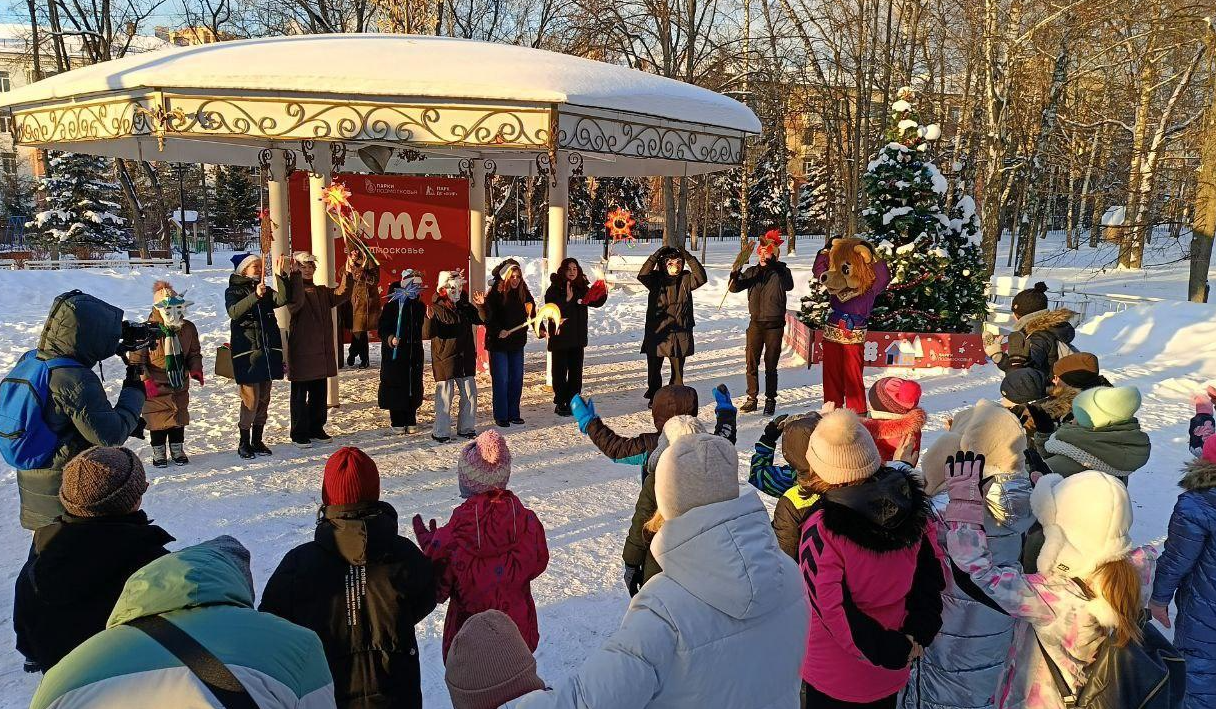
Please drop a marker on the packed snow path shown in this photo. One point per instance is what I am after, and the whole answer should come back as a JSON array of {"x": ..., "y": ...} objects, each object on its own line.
[{"x": 584, "y": 500}]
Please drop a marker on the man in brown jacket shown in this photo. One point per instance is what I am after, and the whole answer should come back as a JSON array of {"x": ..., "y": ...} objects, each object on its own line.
[{"x": 311, "y": 351}]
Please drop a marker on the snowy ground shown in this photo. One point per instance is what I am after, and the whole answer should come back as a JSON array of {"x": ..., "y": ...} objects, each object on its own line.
[{"x": 584, "y": 501}]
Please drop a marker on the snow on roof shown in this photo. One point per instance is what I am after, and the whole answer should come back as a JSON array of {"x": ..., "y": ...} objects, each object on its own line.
[
  {"x": 191, "y": 216},
  {"x": 399, "y": 66},
  {"x": 16, "y": 36}
]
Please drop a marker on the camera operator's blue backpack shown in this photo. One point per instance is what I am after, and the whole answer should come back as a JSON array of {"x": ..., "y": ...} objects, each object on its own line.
[{"x": 26, "y": 441}]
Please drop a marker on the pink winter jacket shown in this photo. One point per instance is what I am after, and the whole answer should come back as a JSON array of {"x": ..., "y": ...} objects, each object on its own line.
[{"x": 866, "y": 596}]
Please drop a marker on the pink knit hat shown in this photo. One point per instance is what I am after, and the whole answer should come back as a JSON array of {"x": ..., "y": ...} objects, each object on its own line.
[
  {"x": 1203, "y": 404},
  {"x": 1209, "y": 449},
  {"x": 485, "y": 464},
  {"x": 893, "y": 395}
]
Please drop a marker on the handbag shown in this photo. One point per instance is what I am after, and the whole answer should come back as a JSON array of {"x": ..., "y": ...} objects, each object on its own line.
[{"x": 223, "y": 362}]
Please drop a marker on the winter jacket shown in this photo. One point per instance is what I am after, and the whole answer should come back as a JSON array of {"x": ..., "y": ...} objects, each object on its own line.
[
  {"x": 1035, "y": 341},
  {"x": 669, "y": 317},
  {"x": 450, "y": 330},
  {"x": 1186, "y": 572},
  {"x": 255, "y": 340},
  {"x": 888, "y": 430},
  {"x": 87, "y": 330},
  {"x": 1058, "y": 407},
  {"x": 311, "y": 350},
  {"x": 1048, "y": 608},
  {"x": 636, "y": 450},
  {"x": 572, "y": 335},
  {"x": 767, "y": 476},
  {"x": 961, "y": 668},
  {"x": 766, "y": 287},
  {"x": 206, "y": 591},
  {"x": 789, "y": 515},
  {"x": 1119, "y": 449},
  {"x": 874, "y": 576},
  {"x": 361, "y": 588},
  {"x": 505, "y": 311},
  {"x": 170, "y": 408},
  {"x": 637, "y": 551},
  {"x": 401, "y": 367},
  {"x": 486, "y": 557},
  {"x": 722, "y": 626},
  {"x": 365, "y": 303},
  {"x": 77, "y": 569}
]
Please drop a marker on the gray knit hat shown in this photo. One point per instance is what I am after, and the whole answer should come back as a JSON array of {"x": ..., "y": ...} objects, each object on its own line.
[
  {"x": 489, "y": 664},
  {"x": 103, "y": 481}
]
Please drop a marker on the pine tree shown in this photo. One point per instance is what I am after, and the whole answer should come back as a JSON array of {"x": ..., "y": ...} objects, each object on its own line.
[
  {"x": 82, "y": 209},
  {"x": 814, "y": 202},
  {"x": 729, "y": 184},
  {"x": 768, "y": 195},
  {"x": 580, "y": 210},
  {"x": 937, "y": 281},
  {"x": 236, "y": 200}
]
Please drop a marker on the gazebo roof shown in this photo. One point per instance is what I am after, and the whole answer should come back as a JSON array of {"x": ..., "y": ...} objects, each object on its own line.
[{"x": 440, "y": 101}]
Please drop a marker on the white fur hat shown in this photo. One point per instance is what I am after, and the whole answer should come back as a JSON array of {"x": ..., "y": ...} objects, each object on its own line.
[
  {"x": 676, "y": 428},
  {"x": 697, "y": 470},
  {"x": 1086, "y": 521},
  {"x": 993, "y": 430}
]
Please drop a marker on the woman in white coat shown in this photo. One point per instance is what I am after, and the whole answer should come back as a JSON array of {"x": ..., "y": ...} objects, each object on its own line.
[{"x": 723, "y": 625}]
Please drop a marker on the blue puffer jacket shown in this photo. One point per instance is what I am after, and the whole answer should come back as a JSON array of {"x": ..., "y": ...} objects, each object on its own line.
[{"x": 1187, "y": 570}]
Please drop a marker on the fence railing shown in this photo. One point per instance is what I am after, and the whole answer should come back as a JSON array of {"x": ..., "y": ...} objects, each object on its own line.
[{"x": 1002, "y": 289}]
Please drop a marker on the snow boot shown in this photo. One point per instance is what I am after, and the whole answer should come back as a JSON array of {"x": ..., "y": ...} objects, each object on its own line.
[
  {"x": 244, "y": 450},
  {"x": 440, "y": 439},
  {"x": 160, "y": 459},
  {"x": 770, "y": 406},
  {"x": 502, "y": 423},
  {"x": 749, "y": 406},
  {"x": 255, "y": 441},
  {"x": 467, "y": 434},
  {"x": 178, "y": 451},
  {"x": 398, "y": 430},
  {"x": 321, "y": 437}
]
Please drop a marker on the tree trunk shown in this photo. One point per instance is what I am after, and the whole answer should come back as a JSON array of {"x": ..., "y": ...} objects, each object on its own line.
[
  {"x": 1203, "y": 228},
  {"x": 669, "y": 212}
]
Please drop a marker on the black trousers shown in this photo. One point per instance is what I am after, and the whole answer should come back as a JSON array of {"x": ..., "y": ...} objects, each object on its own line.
[
  {"x": 769, "y": 340},
  {"x": 654, "y": 373},
  {"x": 814, "y": 699},
  {"x": 308, "y": 410},
  {"x": 567, "y": 373},
  {"x": 359, "y": 347},
  {"x": 168, "y": 435},
  {"x": 407, "y": 416}
]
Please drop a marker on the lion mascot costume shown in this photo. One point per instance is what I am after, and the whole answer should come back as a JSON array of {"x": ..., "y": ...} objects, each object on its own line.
[{"x": 853, "y": 276}]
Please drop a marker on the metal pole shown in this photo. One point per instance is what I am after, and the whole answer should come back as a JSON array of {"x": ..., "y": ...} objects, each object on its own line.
[
  {"x": 204, "y": 216},
  {"x": 181, "y": 214}
]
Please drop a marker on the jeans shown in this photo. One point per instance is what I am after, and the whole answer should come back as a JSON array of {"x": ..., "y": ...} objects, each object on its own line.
[
  {"x": 507, "y": 376},
  {"x": 309, "y": 410},
  {"x": 654, "y": 373},
  {"x": 444, "y": 391},
  {"x": 567, "y": 375},
  {"x": 768, "y": 339}
]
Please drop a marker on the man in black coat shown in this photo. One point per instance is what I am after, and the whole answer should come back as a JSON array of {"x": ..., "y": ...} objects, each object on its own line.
[
  {"x": 360, "y": 587},
  {"x": 766, "y": 284},
  {"x": 669, "y": 317}
]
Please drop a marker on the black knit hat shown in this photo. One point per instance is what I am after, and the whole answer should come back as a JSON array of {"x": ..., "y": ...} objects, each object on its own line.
[
  {"x": 1031, "y": 300},
  {"x": 1022, "y": 386}
]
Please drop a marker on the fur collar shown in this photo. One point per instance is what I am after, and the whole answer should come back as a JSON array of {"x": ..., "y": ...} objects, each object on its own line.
[
  {"x": 1044, "y": 320},
  {"x": 894, "y": 426},
  {"x": 1059, "y": 405},
  {"x": 1200, "y": 475},
  {"x": 851, "y": 512}
]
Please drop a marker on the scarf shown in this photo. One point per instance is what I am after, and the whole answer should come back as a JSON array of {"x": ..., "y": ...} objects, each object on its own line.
[
  {"x": 175, "y": 363},
  {"x": 401, "y": 296}
]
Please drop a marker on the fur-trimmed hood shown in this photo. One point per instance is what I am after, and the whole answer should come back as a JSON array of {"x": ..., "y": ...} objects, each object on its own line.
[
  {"x": 1059, "y": 405},
  {"x": 894, "y": 426},
  {"x": 887, "y": 512},
  {"x": 1044, "y": 320},
  {"x": 1200, "y": 475}
]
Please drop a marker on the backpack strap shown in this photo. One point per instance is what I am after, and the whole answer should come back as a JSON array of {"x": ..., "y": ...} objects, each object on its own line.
[
  {"x": 208, "y": 668},
  {"x": 1057, "y": 676}
]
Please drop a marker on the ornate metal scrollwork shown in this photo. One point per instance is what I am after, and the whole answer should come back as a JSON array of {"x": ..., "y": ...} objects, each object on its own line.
[
  {"x": 544, "y": 167},
  {"x": 465, "y": 168},
  {"x": 307, "y": 149},
  {"x": 491, "y": 168},
  {"x": 161, "y": 121},
  {"x": 337, "y": 154},
  {"x": 411, "y": 155},
  {"x": 576, "y": 164},
  {"x": 291, "y": 162},
  {"x": 264, "y": 156}
]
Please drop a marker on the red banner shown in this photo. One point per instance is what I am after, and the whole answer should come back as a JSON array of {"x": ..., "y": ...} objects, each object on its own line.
[
  {"x": 916, "y": 350},
  {"x": 408, "y": 222}
]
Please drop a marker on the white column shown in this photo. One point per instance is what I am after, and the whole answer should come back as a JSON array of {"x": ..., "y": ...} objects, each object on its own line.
[
  {"x": 559, "y": 206},
  {"x": 477, "y": 227},
  {"x": 323, "y": 232},
  {"x": 280, "y": 218}
]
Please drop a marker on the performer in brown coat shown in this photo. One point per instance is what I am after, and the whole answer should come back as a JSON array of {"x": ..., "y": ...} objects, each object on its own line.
[
  {"x": 311, "y": 349},
  {"x": 365, "y": 306}
]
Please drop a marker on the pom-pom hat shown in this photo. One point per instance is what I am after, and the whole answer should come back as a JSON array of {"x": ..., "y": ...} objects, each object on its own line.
[
  {"x": 485, "y": 464},
  {"x": 841, "y": 450}
]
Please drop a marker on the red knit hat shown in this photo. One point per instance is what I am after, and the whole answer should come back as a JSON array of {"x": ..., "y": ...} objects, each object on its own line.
[
  {"x": 893, "y": 395},
  {"x": 350, "y": 477}
]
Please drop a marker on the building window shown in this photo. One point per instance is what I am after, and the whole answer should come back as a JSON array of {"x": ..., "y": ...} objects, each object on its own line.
[
  {"x": 6, "y": 123},
  {"x": 8, "y": 163},
  {"x": 5, "y": 83},
  {"x": 808, "y": 166}
]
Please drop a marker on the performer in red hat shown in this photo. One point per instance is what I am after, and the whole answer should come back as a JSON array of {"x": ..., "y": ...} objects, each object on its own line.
[{"x": 766, "y": 284}]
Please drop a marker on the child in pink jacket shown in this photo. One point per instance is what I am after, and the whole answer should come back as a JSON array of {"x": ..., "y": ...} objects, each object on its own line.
[
  {"x": 873, "y": 572},
  {"x": 488, "y": 553}
]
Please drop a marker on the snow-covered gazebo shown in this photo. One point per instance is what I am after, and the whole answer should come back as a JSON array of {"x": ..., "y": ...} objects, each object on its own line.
[{"x": 386, "y": 104}]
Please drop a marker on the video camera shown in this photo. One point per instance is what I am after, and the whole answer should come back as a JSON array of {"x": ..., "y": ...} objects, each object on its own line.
[{"x": 137, "y": 336}]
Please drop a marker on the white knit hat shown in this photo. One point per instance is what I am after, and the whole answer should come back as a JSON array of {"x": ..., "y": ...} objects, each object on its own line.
[
  {"x": 304, "y": 257},
  {"x": 676, "y": 428},
  {"x": 994, "y": 431},
  {"x": 698, "y": 469},
  {"x": 841, "y": 450},
  {"x": 1086, "y": 521}
]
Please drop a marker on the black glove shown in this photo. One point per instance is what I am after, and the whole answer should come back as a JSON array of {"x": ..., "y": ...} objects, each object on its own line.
[
  {"x": 1035, "y": 462},
  {"x": 773, "y": 431},
  {"x": 139, "y": 429},
  {"x": 633, "y": 579},
  {"x": 133, "y": 380},
  {"x": 1042, "y": 421}
]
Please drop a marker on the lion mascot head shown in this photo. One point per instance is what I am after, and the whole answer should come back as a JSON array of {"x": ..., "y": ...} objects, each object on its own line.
[{"x": 850, "y": 269}]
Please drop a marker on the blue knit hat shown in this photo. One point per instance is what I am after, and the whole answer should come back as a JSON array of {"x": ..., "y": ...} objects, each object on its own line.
[{"x": 241, "y": 261}]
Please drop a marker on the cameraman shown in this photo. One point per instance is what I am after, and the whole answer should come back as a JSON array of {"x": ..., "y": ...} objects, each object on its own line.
[{"x": 87, "y": 330}]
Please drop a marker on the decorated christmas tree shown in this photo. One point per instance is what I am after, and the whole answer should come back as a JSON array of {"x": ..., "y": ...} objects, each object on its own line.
[
  {"x": 937, "y": 277},
  {"x": 81, "y": 208}
]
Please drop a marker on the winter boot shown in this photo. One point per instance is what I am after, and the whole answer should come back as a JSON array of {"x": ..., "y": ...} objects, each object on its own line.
[
  {"x": 178, "y": 451},
  {"x": 244, "y": 450},
  {"x": 255, "y": 441},
  {"x": 321, "y": 437},
  {"x": 770, "y": 406},
  {"x": 749, "y": 406},
  {"x": 160, "y": 458},
  {"x": 440, "y": 439}
]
